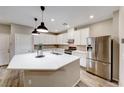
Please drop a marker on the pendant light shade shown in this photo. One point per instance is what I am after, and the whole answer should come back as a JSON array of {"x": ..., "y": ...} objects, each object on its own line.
[
  {"x": 35, "y": 32},
  {"x": 42, "y": 28}
]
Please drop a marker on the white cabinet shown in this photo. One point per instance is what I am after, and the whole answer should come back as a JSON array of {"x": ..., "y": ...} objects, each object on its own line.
[
  {"x": 77, "y": 37},
  {"x": 52, "y": 39},
  {"x": 45, "y": 39},
  {"x": 62, "y": 38},
  {"x": 36, "y": 39},
  {"x": 84, "y": 34},
  {"x": 70, "y": 33},
  {"x": 58, "y": 38},
  {"x": 82, "y": 56}
]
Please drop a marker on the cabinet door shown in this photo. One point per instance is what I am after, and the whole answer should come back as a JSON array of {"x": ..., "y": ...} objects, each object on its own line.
[
  {"x": 71, "y": 33},
  {"x": 36, "y": 40},
  {"x": 82, "y": 57},
  {"x": 77, "y": 37},
  {"x": 64, "y": 38},
  {"x": 57, "y": 39},
  {"x": 84, "y": 35},
  {"x": 47, "y": 39},
  {"x": 52, "y": 39},
  {"x": 60, "y": 37}
]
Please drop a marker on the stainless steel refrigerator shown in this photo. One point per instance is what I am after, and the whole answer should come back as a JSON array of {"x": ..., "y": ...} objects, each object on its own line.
[{"x": 99, "y": 56}]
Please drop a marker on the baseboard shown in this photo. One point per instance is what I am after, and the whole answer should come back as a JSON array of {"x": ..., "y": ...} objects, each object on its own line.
[{"x": 84, "y": 68}]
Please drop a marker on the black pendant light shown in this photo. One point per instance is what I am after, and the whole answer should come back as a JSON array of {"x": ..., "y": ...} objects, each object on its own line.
[
  {"x": 42, "y": 27},
  {"x": 35, "y": 32}
]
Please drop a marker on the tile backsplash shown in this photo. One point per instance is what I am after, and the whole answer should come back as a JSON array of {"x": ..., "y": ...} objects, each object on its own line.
[{"x": 79, "y": 47}]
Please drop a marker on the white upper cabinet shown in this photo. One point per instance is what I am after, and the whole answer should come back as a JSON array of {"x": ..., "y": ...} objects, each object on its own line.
[
  {"x": 84, "y": 34},
  {"x": 59, "y": 39},
  {"x": 71, "y": 33},
  {"x": 45, "y": 39},
  {"x": 51, "y": 39},
  {"x": 62, "y": 38},
  {"x": 77, "y": 37}
]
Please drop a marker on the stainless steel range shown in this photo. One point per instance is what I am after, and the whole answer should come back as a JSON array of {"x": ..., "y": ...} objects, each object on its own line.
[
  {"x": 71, "y": 47},
  {"x": 69, "y": 50}
]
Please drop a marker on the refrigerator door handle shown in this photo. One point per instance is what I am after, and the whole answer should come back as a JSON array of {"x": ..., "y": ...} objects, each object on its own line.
[{"x": 95, "y": 48}]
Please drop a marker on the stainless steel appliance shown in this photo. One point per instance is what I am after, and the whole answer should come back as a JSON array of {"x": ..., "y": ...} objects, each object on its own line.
[
  {"x": 71, "y": 47},
  {"x": 69, "y": 50},
  {"x": 100, "y": 56}
]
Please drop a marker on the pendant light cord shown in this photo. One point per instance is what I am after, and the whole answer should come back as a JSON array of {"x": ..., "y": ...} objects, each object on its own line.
[
  {"x": 35, "y": 23},
  {"x": 42, "y": 15},
  {"x": 42, "y": 9},
  {"x": 35, "y": 19}
]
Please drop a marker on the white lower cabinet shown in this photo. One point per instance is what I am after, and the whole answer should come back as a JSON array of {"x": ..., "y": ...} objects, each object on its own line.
[{"x": 82, "y": 56}]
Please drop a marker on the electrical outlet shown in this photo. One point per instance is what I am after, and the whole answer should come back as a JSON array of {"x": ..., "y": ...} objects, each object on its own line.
[{"x": 29, "y": 82}]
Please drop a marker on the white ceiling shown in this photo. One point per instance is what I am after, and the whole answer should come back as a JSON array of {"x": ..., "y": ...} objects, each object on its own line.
[{"x": 73, "y": 15}]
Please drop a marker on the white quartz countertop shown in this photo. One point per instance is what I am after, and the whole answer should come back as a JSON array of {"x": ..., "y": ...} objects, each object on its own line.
[
  {"x": 49, "y": 62},
  {"x": 79, "y": 51}
]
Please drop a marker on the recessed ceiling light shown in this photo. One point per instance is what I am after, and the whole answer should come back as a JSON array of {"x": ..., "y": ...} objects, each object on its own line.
[
  {"x": 52, "y": 20},
  {"x": 91, "y": 16}
]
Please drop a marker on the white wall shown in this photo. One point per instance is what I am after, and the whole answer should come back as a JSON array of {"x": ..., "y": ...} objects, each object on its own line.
[
  {"x": 115, "y": 36},
  {"x": 21, "y": 39},
  {"x": 121, "y": 35},
  {"x": 4, "y": 44},
  {"x": 101, "y": 28}
]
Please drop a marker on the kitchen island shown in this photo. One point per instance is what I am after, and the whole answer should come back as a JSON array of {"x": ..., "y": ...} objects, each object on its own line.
[{"x": 49, "y": 71}]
